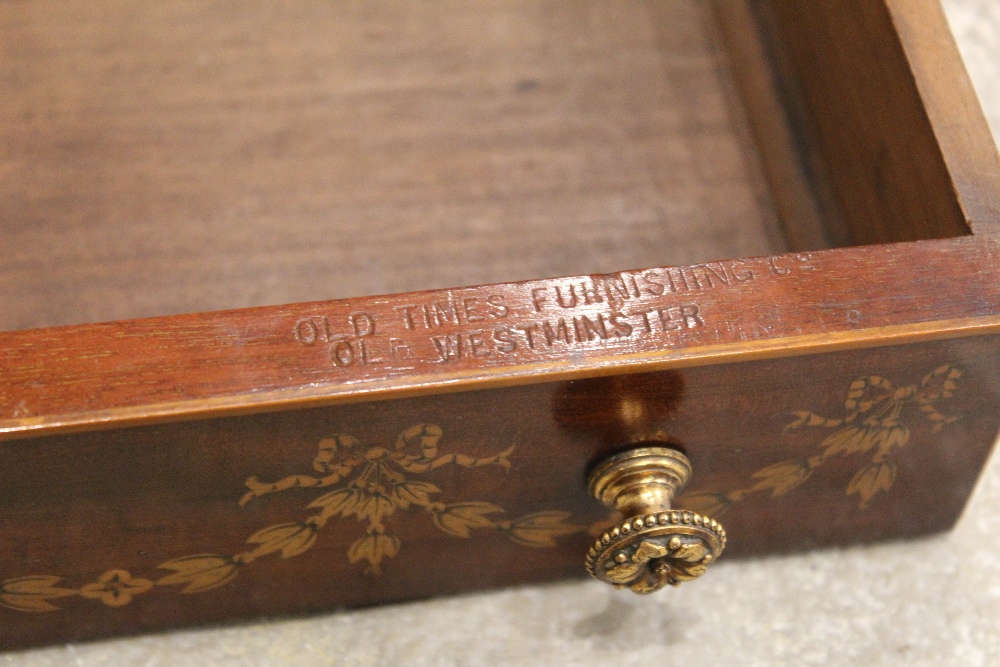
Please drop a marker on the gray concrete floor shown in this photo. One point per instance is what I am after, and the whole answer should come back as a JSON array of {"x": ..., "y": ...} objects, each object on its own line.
[{"x": 929, "y": 602}]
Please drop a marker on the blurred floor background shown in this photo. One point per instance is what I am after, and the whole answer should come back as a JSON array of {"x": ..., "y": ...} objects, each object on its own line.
[{"x": 928, "y": 602}]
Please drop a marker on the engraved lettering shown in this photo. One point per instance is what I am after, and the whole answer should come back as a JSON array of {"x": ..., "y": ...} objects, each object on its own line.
[
  {"x": 805, "y": 262},
  {"x": 693, "y": 277},
  {"x": 398, "y": 349},
  {"x": 498, "y": 310},
  {"x": 407, "y": 313},
  {"x": 653, "y": 286},
  {"x": 527, "y": 330},
  {"x": 683, "y": 280},
  {"x": 366, "y": 356},
  {"x": 645, "y": 319},
  {"x": 622, "y": 329},
  {"x": 453, "y": 311},
  {"x": 449, "y": 347},
  {"x": 538, "y": 298},
  {"x": 470, "y": 310},
  {"x": 311, "y": 330},
  {"x": 342, "y": 353},
  {"x": 504, "y": 338},
  {"x": 743, "y": 276},
  {"x": 691, "y": 316},
  {"x": 602, "y": 316},
  {"x": 590, "y": 296},
  {"x": 362, "y": 323},
  {"x": 670, "y": 281},
  {"x": 453, "y": 347},
  {"x": 666, "y": 319},
  {"x": 560, "y": 332},
  {"x": 443, "y": 313},
  {"x": 720, "y": 274},
  {"x": 616, "y": 289},
  {"x": 306, "y": 332},
  {"x": 772, "y": 263},
  {"x": 569, "y": 302},
  {"x": 594, "y": 330},
  {"x": 477, "y": 344},
  {"x": 614, "y": 324}
]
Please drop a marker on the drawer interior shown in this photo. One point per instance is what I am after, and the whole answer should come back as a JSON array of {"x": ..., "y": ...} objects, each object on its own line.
[{"x": 182, "y": 156}]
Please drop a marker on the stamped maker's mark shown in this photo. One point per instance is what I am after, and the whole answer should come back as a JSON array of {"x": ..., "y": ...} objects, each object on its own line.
[{"x": 577, "y": 313}]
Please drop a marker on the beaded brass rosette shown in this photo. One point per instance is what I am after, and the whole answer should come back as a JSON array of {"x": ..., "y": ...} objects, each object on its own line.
[{"x": 648, "y": 552}]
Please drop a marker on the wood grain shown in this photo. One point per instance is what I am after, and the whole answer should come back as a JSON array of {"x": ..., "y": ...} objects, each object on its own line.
[
  {"x": 132, "y": 499},
  {"x": 195, "y": 156},
  {"x": 179, "y": 156},
  {"x": 810, "y": 216},
  {"x": 946, "y": 92},
  {"x": 873, "y": 129},
  {"x": 450, "y": 340}
]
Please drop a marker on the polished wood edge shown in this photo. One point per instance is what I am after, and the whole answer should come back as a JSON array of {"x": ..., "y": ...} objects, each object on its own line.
[
  {"x": 947, "y": 94},
  {"x": 187, "y": 366},
  {"x": 535, "y": 373}
]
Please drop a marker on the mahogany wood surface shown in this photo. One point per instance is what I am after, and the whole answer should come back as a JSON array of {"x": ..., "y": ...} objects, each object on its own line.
[
  {"x": 884, "y": 112},
  {"x": 776, "y": 110},
  {"x": 134, "y": 499},
  {"x": 946, "y": 94},
  {"x": 195, "y": 156},
  {"x": 438, "y": 440},
  {"x": 98, "y": 375}
]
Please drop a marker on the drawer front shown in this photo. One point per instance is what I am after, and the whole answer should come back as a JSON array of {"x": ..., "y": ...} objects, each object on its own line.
[{"x": 311, "y": 509}]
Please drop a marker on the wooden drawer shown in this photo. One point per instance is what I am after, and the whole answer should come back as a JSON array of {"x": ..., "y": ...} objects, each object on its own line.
[{"x": 814, "y": 187}]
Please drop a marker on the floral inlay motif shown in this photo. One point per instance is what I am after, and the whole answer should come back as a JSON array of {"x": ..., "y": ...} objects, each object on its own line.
[
  {"x": 874, "y": 424},
  {"x": 115, "y": 588},
  {"x": 369, "y": 483}
]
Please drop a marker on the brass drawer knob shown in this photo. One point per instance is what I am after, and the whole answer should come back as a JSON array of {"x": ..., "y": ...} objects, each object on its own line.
[{"x": 654, "y": 545}]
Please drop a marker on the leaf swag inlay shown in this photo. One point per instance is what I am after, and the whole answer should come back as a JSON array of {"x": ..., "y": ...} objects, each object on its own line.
[
  {"x": 368, "y": 483},
  {"x": 874, "y": 423}
]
